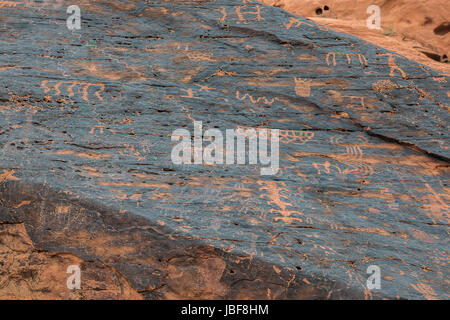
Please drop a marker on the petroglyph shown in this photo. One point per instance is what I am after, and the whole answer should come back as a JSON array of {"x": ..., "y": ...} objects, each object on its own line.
[
  {"x": 204, "y": 88},
  {"x": 243, "y": 13},
  {"x": 191, "y": 94},
  {"x": 12, "y": 4},
  {"x": 358, "y": 169},
  {"x": 361, "y": 58},
  {"x": 8, "y": 175},
  {"x": 351, "y": 162},
  {"x": 223, "y": 11},
  {"x": 69, "y": 86},
  {"x": 295, "y": 22},
  {"x": 240, "y": 14},
  {"x": 358, "y": 98},
  {"x": 303, "y": 87},
  {"x": 276, "y": 193},
  {"x": 438, "y": 207},
  {"x": 393, "y": 67},
  {"x": 254, "y": 100},
  {"x": 424, "y": 94},
  {"x": 363, "y": 164},
  {"x": 296, "y": 136}
]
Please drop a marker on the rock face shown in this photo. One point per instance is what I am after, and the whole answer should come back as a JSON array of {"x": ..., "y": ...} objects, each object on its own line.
[
  {"x": 418, "y": 29},
  {"x": 86, "y": 118}
]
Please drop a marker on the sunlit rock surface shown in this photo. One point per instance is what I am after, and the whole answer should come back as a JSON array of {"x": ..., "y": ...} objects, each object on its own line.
[{"x": 86, "y": 118}]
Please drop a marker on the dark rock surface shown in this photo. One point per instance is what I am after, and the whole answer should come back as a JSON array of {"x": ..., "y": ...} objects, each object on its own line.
[{"x": 86, "y": 118}]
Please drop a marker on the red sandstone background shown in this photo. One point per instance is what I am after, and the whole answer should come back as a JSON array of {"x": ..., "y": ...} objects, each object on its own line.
[{"x": 417, "y": 29}]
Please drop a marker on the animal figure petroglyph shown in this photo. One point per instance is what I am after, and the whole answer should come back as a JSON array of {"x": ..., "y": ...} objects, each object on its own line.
[
  {"x": 354, "y": 165},
  {"x": 84, "y": 86},
  {"x": 353, "y": 149},
  {"x": 362, "y": 59},
  {"x": 295, "y": 22},
  {"x": 273, "y": 192},
  {"x": 349, "y": 167}
]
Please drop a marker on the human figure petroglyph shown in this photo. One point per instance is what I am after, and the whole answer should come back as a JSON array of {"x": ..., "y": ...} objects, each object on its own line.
[
  {"x": 253, "y": 100},
  {"x": 241, "y": 15},
  {"x": 362, "y": 58},
  {"x": 70, "y": 88},
  {"x": 393, "y": 65},
  {"x": 223, "y": 11},
  {"x": 241, "y": 18}
]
